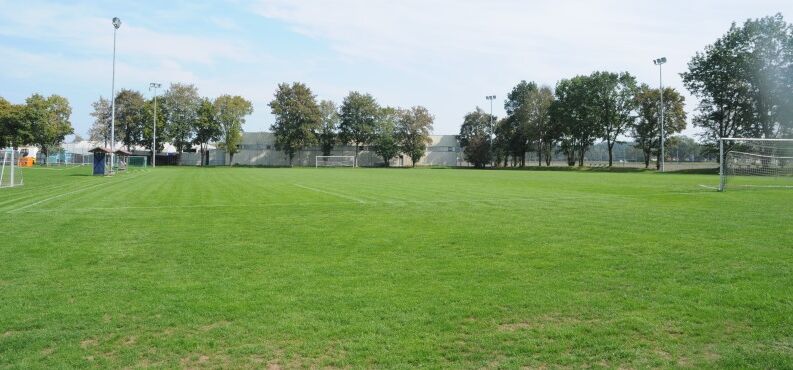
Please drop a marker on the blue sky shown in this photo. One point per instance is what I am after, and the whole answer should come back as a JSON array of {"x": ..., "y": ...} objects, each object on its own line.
[{"x": 443, "y": 54}]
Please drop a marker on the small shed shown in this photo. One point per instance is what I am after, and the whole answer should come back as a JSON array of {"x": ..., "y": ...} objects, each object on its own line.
[
  {"x": 123, "y": 156},
  {"x": 101, "y": 161}
]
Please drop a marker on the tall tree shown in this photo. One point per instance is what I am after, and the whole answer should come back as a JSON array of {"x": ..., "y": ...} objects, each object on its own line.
[
  {"x": 614, "y": 105},
  {"x": 297, "y": 118},
  {"x": 14, "y": 129},
  {"x": 328, "y": 130},
  {"x": 230, "y": 113},
  {"x": 646, "y": 131},
  {"x": 358, "y": 120},
  {"x": 475, "y": 138},
  {"x": 130, "y": 113},
  {"x": 574, "y": 111},
  {"x": 743, "y": 81},
  {"x": 180, "y": 104},
  {"x": 385, "y": 142},
  {"x": 100, "y": 129},
  {"x": 207, "y": 128},
  {"x": 519, "y": 133},
  {"x": 413, "y": 132},
  {"x": 48, "y": 119}
]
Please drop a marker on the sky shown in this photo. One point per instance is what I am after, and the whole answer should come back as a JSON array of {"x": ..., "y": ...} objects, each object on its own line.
[{"x": 446, "y": 55}]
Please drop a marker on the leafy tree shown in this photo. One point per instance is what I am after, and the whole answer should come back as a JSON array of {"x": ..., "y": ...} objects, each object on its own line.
[
  {"x": 297, "y": 118},
  {"x": 230, "y": 113},
  {"x": 573, "y": 110},
  {"x": 327, "y": 134},
  {"x": 385, "y": 142},
  {"x": 207, "y": 128},
  {"x": 180, "y": 104},
  {"x": 100, "y": 129},
  {"x": 613, "y": 105},
  {"x": 475, "y": 138},
  {"x": 413, "y": 132},
  {"x": 500, "y": 144},
  {"x": 646, "y": 130},
  {"x": 77, "y": 138},
  {"x": 48, "y": 119},
  {"x": 743, "y": 81},
  {"x": 358, "y": 120},
  {"x": 14, "y": 129},
  {"x": 518, "y": 133},
  {"x": 130, "y": 113}
]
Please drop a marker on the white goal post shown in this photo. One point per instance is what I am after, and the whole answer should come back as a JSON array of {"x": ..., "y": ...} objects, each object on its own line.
[
  {"x": 755, "y": 163},
  {"x": 334, "y": 161},
  {"x": 9, "y": 175}
]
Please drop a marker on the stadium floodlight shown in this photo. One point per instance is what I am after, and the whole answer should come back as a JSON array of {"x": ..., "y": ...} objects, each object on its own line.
[
  {"x": 660, "y": 62},
  {"x": 116, "y": 25},
  {"x": 155, "y": 86},
  {"x": 491, "y": 98}
]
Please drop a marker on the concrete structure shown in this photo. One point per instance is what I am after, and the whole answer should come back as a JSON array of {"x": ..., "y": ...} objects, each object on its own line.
[{"x": 258, "y": 149}]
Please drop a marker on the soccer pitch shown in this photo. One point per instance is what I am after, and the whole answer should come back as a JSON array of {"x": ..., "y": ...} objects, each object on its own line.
[{"x": 372, "y": 268}]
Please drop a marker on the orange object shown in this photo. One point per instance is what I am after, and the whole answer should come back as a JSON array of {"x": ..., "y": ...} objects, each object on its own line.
[{"x": 27, "y": 161}]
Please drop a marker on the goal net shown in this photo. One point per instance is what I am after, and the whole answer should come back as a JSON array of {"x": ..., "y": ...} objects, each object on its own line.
[
  {"x": 334, "y": 161},
  {"x": 137, "y": 161},
  {"x": 756, "y": 163},
  {"x": 10, "y": 175}
]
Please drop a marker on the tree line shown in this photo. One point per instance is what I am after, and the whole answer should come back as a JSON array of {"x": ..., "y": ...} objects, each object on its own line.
[
  {"x": 40, "y": 121},
  {"x": 301, "y": 121},
  {"x": 184, "y": 118},
  {"x": 744, "y": 82}
]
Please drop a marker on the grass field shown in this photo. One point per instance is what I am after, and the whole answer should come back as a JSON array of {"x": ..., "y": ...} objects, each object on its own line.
[{"x": 246, "y": 267}]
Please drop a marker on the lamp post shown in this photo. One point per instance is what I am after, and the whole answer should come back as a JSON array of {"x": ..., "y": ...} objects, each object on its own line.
[
  {"x": 155, "y": 86},
  {"x": 116, "y": 25},
  {"x": 660, "y": 62},
  {"x": 490, "y": 135}
]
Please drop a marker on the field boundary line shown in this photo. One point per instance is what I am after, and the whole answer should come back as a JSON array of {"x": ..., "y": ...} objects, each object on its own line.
[
  {"x": 348, "y": 197},
  {"x": 64, "y": 194}
]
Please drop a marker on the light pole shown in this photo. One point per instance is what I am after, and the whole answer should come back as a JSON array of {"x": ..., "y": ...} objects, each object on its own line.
[
  {"x": 155, "y": 86},
  {"x": 492, "y": 129},
  {"x": 116, "y": 25},
  {"x": 660, "y": 62}
]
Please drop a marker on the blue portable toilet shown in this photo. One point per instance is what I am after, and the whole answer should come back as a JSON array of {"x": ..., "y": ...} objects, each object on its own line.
[{"x": 100, "y": 160}]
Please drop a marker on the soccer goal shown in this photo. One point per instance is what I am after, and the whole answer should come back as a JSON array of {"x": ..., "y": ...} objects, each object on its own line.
[
  {"x": 10, "y": 175},
  {"x": 334, "y": 161},
  {"x": 138, "y": 161},
  {"x": 755, "y": 163}
]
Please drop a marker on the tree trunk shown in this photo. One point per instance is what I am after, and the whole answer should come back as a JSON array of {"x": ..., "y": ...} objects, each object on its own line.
[
  {"x": 611, "y": 154},
  {"x": 581, "y": 153}
]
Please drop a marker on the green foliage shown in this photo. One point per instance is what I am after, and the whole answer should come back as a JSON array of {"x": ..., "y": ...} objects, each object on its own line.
[
  {"x": 100, "y": 129},
  {"x": 14, "y": 129},
  {"x": 148, "y": 125},
  {"x": 327, "y": 136},
  {"x": 130, "y": 117},
  {"x": 48, "y": 120},
  {"x": 297, "y": 118},
  {"x": 207, "y": 128},
  {"x": 743, "y": 81},
  {"x": 614, "y": 105},
  {"x": 230, "y": 112},
  {"x": 527, "y": 125},
  {"x": 180, "y": 104},
  {"x": 475, "y": 137},
  {"x": 413, "y": 132},
  {"x": 646, "y": 131},
  {"x": 574, "y": 113},
  {"x": 358, "y": 119},
  {"x": 385, "y": 142}
]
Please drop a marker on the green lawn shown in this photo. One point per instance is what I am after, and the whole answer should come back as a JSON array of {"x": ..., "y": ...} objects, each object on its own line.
[{"x": 247, "y": 267}]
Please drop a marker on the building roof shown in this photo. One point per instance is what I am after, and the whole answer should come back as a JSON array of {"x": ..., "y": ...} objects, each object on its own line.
[{"x": 100, "y": 149}]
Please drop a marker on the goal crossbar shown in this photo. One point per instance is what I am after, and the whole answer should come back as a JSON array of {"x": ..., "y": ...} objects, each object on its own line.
[
  {"x": 755, "y": 163},
  {"x": 335, "y": 161}
]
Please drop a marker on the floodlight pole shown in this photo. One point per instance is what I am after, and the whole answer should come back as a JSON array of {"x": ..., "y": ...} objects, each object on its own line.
[
  {"x": 116, "y": 25},
  {"x": 660, "y": 62},
  {"x": 490, "y": 134},
  {"x": 155, "y": 86}
]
